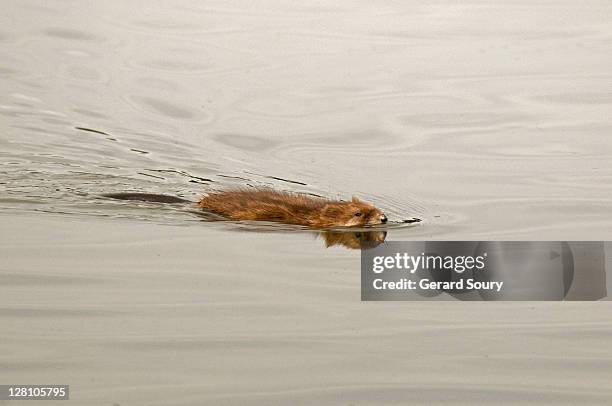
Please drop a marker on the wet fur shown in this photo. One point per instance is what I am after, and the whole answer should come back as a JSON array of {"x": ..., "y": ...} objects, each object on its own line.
[{"x": 290, "y": 208}]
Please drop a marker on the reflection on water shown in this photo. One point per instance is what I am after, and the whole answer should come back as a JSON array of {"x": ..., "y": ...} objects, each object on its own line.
[{"x": 354, "y": 240}]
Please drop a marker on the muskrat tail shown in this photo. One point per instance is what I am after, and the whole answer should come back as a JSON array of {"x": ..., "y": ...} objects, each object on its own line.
[{"x": 147, "y": 197}]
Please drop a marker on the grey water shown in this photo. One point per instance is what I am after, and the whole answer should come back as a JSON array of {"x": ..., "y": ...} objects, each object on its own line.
[{"x": 486, "y": 120}]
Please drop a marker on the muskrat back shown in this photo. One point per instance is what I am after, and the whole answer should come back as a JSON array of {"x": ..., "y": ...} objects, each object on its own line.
[{"x": 291, "y": 208}]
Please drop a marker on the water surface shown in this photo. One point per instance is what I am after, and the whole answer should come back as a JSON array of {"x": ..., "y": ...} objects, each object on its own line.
[{"x": 486, "y": 120}]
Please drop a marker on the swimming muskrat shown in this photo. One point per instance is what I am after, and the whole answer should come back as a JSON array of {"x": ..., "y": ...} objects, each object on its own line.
[{"x": 291, "y": 208}]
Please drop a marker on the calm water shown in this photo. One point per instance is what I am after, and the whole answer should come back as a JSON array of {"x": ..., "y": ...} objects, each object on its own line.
[{"x": 485, "y": 120}]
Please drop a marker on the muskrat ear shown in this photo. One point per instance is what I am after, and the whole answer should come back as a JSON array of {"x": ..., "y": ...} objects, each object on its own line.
[{"x": 355, "y": 199}]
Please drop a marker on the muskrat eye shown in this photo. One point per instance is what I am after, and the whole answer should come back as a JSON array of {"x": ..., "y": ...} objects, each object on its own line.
[{"x": 358, "y": 214}]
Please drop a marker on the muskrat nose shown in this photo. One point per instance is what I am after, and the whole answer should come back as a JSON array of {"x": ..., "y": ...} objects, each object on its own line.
[{"x": 383, "y": 218}]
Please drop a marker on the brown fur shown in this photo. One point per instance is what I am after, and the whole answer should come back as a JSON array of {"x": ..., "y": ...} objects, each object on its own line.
[{"x": 290, "y": 208}]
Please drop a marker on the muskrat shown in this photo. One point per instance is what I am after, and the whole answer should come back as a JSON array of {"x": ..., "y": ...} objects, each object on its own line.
[
  {"x": 291, "y": 208},
  {"x": 274, "y": 206}
]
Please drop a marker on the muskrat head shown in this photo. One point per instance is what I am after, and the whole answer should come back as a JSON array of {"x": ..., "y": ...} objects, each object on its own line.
[{"x": 353, "y": 213}]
